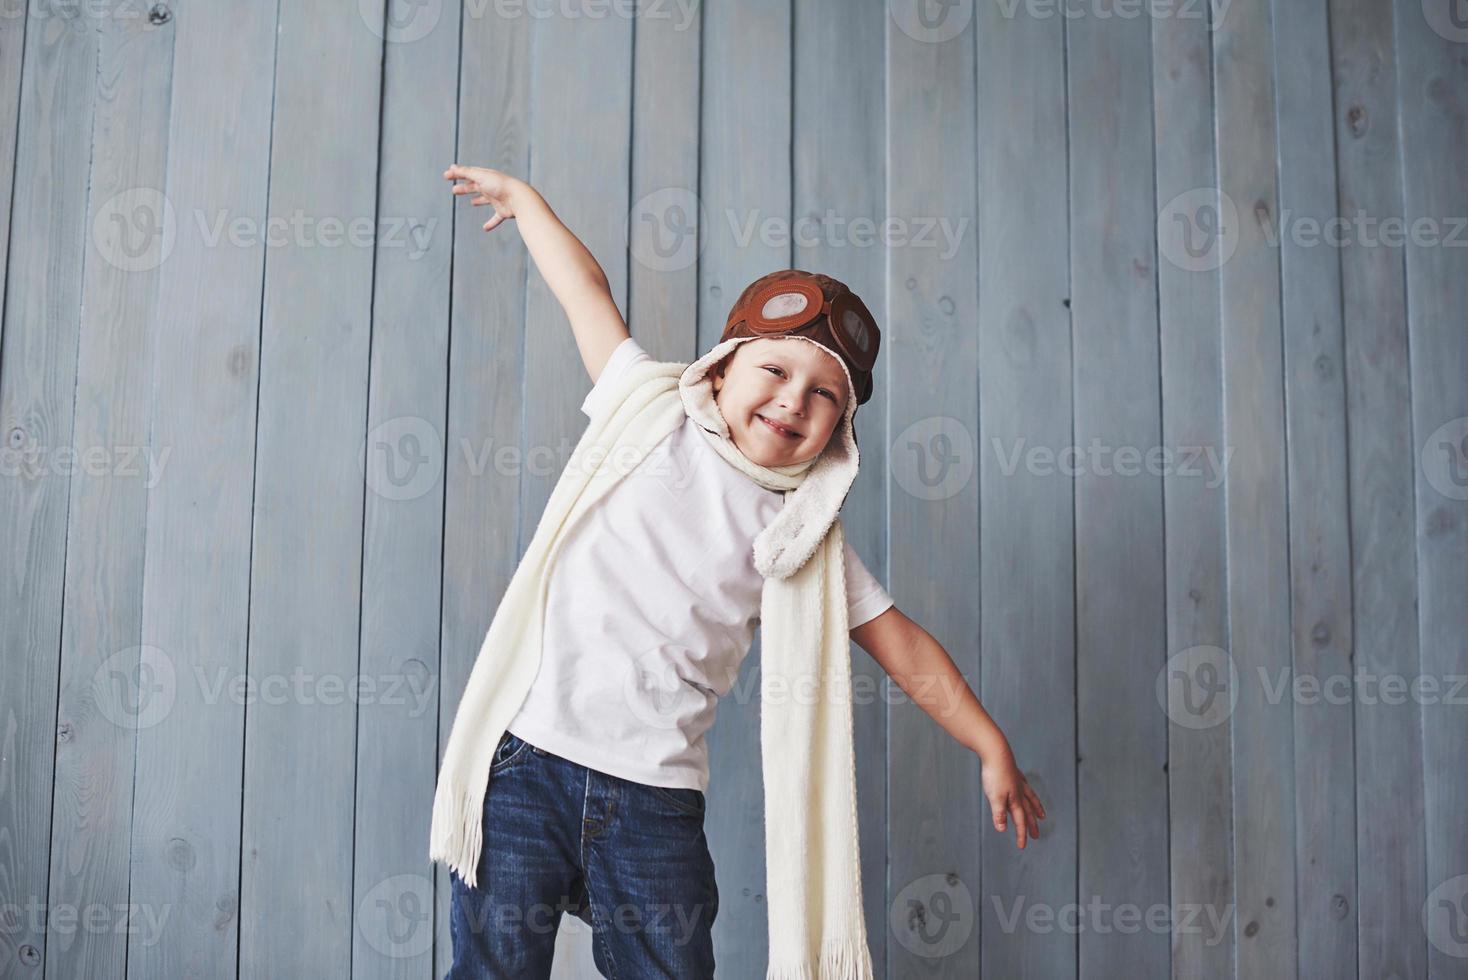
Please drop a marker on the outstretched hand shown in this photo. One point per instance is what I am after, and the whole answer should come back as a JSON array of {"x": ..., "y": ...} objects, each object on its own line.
[
  {"x": 488, "y": 187},
  {"x": 1009, "y": 793}
]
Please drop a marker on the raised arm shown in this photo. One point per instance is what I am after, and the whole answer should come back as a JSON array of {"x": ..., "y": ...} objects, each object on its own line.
[
  {"x": 569, "y": 269},
  {"x": 924, "y": 670}
]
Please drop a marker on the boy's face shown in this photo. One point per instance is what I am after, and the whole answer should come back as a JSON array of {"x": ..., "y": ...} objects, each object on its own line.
[{"x": 786, "y": 381}]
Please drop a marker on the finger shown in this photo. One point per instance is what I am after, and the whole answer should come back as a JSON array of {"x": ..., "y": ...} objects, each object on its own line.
[
  {"x": 1034, "y": 824},
  {"x": 1000, "y": 816},
  {"x": 1035, "y": 801},
  {"x": 1019, "y": 823}
]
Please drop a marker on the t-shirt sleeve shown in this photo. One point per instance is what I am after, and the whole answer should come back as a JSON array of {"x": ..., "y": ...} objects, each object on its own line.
[
  {"x": 865, "y": 597},
  {"x": 626, "y": 354}
]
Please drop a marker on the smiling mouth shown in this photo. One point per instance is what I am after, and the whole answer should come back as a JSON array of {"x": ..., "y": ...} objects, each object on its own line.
[{"x": 778, "y": 428}]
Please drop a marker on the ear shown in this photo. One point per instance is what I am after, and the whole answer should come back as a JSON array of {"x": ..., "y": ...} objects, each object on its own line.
[{"x": 718, "y": 371}]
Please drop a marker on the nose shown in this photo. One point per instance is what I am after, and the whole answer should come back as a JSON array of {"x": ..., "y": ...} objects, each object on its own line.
[{"x": 792, "y": 398}]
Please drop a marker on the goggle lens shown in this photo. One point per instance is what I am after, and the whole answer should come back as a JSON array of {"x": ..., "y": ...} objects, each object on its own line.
[{"x": 783, "y": 305}]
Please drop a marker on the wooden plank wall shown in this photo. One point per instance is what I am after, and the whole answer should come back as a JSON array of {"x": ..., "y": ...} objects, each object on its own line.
[{"x": 259, "y": 371}]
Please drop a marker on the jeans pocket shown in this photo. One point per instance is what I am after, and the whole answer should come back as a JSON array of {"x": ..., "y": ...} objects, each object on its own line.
[
  {"x": 510, "y": 748},
  {"x": 689, "y": 801}
]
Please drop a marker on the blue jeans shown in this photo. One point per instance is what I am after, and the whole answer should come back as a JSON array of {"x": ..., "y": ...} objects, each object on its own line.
[{"x": 627, "y": 858}]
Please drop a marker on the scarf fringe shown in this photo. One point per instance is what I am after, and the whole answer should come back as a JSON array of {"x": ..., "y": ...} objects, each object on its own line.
[
  {"x": 455, "y": 834},
  {"x": 846, "y": 959}
]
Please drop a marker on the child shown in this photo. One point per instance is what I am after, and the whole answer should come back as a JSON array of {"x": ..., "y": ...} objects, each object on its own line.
[{"x": 701, "y": 500}]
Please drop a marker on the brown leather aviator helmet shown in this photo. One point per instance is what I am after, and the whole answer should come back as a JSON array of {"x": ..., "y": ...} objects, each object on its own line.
[{"x": 817, "y": 307}]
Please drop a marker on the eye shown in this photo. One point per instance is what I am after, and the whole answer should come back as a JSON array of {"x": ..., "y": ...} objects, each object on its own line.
[{"x": 822, "y": 391}]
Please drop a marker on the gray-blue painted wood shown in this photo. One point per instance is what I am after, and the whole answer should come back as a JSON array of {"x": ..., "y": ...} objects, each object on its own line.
[
  {"x": 1199, "y": 743},
  {"x": 305, "y": 613},
  {"x": 1390, "y": 852},
  {"x": 931, "y": 356},
  {"x": 195, "y": 601},
  {"x": 1074, "y": 282},
  {"x": 403, "y": 452},
  {"x": 1121, "y": 611},
  {"x": 42, "y": 739},
  {"x": 1027, "y": 539},
  {"x": 1319, "y": 521},
  {"x": 1432, "y": 92},
  {"x": 1264, "y": 784}
]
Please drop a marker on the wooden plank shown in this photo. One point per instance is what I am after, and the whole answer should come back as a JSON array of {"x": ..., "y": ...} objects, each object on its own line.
[
  {"x": 744, "y": 179},
  {"x": 1319, "y": 525},
  {"x": 485, "y": 401},
  {"x": 664, "y": 218},
  {"x": 186, "y": 828},
  {"x": 305, "y": 575},
  {"x": 402, "y": 553},
  {"x": 49, "y": 212},
  {"x": 839, "y": 178},
  {"x": 12, "y": 57},
  {"x": 1200, "y": 820},
  {"x": 1027, "y": 540},
  {"x": 1432, "y": 89},
  {"x": 1121, "y": 613},
  {"x": 1391, "y": 852},
  {"x": 1258, "y": 560},
  {"x": 92, "y": 814}
]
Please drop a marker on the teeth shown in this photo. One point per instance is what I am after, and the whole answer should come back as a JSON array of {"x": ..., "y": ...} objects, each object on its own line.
[{"x": 779, "y": 428}]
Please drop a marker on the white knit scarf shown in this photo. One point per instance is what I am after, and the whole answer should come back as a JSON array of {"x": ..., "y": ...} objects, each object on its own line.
[{"x": 812, "y": 860}]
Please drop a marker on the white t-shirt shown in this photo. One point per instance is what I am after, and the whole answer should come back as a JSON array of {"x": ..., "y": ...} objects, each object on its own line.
[{"x": 651, "y": 607}]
